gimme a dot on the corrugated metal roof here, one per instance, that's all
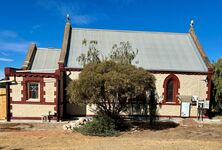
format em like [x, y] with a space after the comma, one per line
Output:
[156, 50]
[46, 60]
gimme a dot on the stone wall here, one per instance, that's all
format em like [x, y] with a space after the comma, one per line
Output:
[16, 89]
[31, 110]
[174, 110]
[189, 85]
[50, 89]
[22, 107]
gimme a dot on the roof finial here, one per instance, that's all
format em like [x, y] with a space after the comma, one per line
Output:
[67, 18]
[191, 23]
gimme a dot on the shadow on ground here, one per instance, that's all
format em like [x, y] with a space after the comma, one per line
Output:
[155, 126]
[11, 127]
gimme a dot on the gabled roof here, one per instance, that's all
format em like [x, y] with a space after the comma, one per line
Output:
[159, 51]
[45, 60]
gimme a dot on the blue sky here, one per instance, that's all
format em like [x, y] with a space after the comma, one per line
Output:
[42, 22]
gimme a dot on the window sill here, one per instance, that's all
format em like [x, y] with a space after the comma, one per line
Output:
[171, 103]
[33, 100]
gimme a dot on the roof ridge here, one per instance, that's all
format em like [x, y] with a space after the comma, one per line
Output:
[131, 31]
[43, 48]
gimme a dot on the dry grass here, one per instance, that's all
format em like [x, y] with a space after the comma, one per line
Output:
[164, 136]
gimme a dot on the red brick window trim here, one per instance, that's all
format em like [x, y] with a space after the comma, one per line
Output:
[26, 89]
[33, 90]
[171, 86]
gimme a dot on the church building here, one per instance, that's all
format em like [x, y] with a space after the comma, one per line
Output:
[177, 60]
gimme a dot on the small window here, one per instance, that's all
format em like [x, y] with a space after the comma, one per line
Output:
[33, 90]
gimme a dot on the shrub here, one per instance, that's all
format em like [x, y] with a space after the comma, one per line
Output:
[111, 87]
[101, 125]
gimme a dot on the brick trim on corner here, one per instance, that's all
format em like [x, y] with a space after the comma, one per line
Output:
[56, 95]
[209, 80]
[8, 98]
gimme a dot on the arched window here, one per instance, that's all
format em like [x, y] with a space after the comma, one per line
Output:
[169, 94]
[171, 86]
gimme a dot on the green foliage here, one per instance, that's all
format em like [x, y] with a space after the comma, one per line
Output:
[122, 53]
[101, 125]
[152, 106]
[92, 55]
[2, 85]
[111, 86]
[217, 86]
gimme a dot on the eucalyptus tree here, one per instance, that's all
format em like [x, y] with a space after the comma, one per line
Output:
[217, 86]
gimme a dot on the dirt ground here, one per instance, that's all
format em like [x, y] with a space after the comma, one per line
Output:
[165, 136]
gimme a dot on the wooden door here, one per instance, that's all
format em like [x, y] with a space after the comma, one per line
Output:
[2, 103]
